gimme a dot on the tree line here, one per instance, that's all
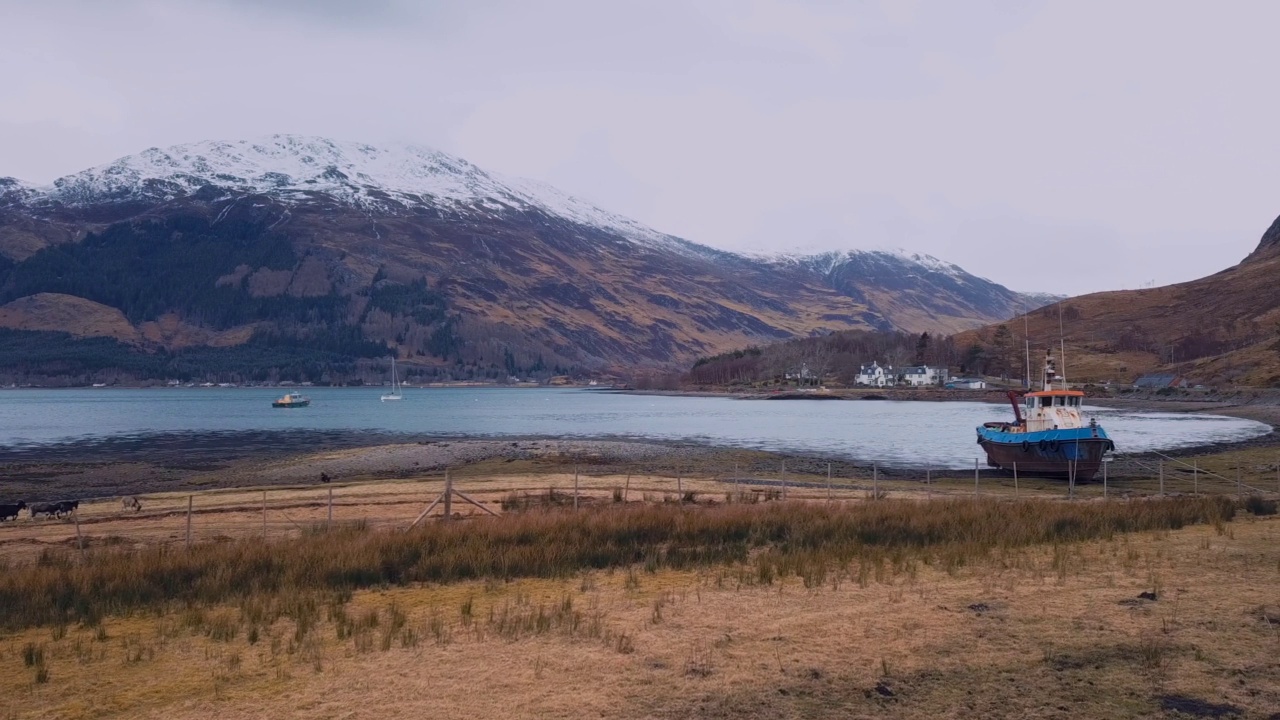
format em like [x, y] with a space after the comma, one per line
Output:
[836, 357]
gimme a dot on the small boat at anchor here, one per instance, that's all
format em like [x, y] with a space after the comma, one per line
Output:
[396, 393]
[1049, 435]
[291, 400]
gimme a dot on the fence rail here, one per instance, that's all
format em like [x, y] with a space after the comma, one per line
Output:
[216, 515]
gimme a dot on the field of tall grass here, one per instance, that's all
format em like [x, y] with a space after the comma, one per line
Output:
[762, 541]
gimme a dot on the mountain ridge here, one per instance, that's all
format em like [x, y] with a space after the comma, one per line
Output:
[433, 258]
[1221, 329]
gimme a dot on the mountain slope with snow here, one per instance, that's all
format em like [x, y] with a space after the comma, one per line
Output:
[390, 179]
[369, 249]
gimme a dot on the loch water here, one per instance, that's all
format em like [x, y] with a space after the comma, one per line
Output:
[891, 433]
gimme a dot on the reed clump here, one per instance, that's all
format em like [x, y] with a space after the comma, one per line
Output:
[295, 577]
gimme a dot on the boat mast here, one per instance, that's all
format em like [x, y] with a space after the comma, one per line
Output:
[1062, 348]
[1026, 340]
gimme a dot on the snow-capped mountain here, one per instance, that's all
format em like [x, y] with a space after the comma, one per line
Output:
[831, 260]
[362, 248]
[392, 179]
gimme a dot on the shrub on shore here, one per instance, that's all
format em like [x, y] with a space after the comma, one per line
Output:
[780, 539]
[1259, 505]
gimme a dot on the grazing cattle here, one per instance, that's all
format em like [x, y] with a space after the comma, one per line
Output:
[130, 502]
[9, 511]
[49, 509]
[324, 477]
[66, 507]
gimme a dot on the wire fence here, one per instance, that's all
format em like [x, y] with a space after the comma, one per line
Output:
[184, 518]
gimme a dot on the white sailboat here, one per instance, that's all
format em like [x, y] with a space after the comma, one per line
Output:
[395, 393]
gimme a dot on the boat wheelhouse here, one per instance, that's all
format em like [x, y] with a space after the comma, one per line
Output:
[291, 400]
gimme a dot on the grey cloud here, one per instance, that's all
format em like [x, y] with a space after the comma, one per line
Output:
[1131, 141]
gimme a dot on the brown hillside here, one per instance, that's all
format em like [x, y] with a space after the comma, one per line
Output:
[333, 255]
[56, 312]
[1221, 329]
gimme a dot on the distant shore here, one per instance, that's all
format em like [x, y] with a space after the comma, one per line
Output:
[1252, 403]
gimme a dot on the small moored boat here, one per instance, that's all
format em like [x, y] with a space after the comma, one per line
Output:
[1049, 435]
[396, 393]
[291, 400]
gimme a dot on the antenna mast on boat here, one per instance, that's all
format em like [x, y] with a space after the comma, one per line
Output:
[1026, 340]
[1062, 348]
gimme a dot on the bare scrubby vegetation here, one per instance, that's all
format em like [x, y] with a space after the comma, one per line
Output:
[835, 357]
[293, 578]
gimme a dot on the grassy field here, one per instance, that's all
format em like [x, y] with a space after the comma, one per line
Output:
[696, 597]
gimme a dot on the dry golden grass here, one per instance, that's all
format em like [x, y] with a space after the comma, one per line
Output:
[766, 541]
[1036, 632]
[380, 503]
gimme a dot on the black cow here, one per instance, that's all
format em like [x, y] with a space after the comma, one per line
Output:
[49, 509]
[66, 507]
[9, 511]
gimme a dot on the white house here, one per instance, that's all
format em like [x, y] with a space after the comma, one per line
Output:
[967, 384]
[920, 375]
[874, 375]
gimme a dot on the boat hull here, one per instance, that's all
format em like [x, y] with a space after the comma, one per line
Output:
[302, 403]
[1055, 453]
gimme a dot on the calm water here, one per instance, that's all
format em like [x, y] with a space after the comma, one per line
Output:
[939, 434]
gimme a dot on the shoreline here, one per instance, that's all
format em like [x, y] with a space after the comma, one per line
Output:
[79, 473]
[168, 462]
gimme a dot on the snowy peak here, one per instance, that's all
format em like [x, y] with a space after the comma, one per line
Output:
[384, 179]
[279, 164]
[13, 190]
[829, 262]
[889, 260]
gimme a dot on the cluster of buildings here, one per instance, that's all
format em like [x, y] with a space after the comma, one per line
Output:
[877, 375]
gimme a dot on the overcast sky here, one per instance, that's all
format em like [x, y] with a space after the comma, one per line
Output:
[1051, 146]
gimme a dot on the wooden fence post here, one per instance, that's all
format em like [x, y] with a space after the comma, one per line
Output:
[189, 500]
[875, 481]
[828, 483]
[784, 479]
[1195, 477]
[1160, 466]
[975, 477]
[75, 515]
[329, 522]
[264, 514]
[448, 496]
[1015, 479]
[575, 486]
[626, 490]
[928, 483]
[679, 482]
